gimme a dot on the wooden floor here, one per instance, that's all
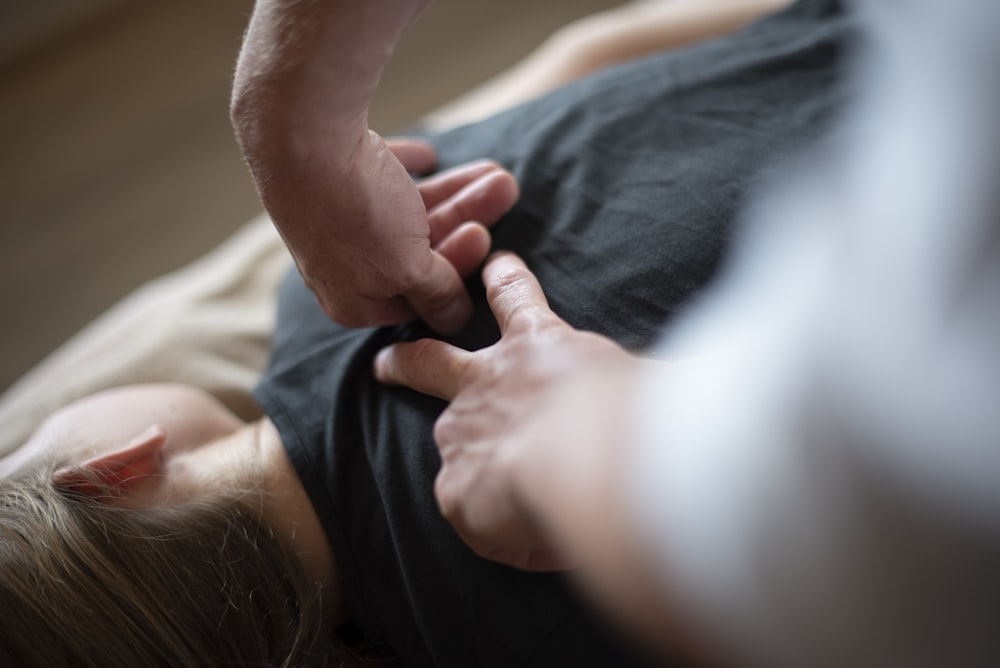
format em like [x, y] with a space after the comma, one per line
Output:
[117, 161]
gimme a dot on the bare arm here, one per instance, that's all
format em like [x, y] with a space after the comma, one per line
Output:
[597, 41]
[372, 249]
[309, 67]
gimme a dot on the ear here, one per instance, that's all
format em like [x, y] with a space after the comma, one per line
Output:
[116, 472]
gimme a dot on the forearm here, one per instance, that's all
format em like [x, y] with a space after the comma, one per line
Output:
[600, 40]
[374, 246]
[305, 76]
[308, 70]
[640, 28]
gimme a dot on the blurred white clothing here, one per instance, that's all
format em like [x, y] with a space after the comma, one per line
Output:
[820, 475]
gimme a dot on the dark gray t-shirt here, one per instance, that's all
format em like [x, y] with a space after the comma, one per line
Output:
[631, 181]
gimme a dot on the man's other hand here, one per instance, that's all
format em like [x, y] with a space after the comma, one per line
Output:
[530, 417]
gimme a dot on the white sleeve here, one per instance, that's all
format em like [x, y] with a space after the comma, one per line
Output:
[819, 476]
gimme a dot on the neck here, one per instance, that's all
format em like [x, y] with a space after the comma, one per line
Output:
[257, 447]
[293, 517]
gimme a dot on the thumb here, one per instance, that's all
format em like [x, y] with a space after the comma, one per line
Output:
[428, 366]
[440, 298]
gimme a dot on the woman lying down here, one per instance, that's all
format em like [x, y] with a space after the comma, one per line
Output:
[149, 526]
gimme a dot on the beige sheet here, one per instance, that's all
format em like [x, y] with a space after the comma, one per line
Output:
[207, 325]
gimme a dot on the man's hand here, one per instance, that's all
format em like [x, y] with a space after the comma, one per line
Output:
[544, 400]
[375, 248]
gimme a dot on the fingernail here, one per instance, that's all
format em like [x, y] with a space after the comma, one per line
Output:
[381, 362]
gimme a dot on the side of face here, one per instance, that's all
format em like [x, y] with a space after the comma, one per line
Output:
[107, 428]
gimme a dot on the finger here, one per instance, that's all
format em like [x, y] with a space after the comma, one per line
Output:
[528, 560]
[363, 311]
[485, 199]
[512, 290]
[428, 366]
[416, 156]
[439, 297]
[439, 187]
[466, 247]
[522, 558]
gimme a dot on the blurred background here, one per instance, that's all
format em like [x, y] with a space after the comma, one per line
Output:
[117, 161]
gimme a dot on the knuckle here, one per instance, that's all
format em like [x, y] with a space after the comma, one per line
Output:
[433, 289]
[444, 429]
[421, 353]
[401, 360]
[511, 289]
[439, 296]
[348, 318]
[447, 499]
[506, 281]
[490, 163]
[534, 322]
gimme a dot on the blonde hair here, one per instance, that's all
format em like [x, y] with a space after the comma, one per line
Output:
[88, 583]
